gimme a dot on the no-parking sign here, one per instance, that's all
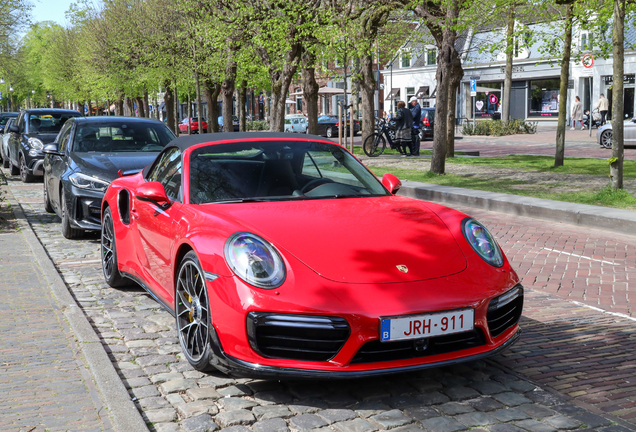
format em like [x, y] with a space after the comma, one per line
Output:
[588, 61]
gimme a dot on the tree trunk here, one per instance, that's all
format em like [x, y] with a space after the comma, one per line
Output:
[168, 99]
[90, 108]
[457, 73]
[618, 52]
[510, 52]
[119, 106]
[146, 105]
[227, 89]
[129, 107]
[367, 90]
[140, 106]
[242, 92]
[563, 91]
[199, 104]
[310, 90]
[212, 91]
[176, 110]
[189, 115]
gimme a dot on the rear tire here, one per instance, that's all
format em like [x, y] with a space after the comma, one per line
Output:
[606, 139]
[68, 231]
[109, 253]
[374, 145]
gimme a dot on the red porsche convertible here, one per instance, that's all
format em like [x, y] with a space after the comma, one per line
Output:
[285, 256]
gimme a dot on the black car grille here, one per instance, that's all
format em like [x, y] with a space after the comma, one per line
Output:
[505, 311]
[296, 337]
[376, 351]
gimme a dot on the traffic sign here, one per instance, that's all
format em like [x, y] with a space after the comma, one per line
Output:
[473, 87]
[475, 77]
[588, 61]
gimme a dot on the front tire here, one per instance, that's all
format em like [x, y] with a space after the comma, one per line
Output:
[606, 139]
[24, 172]
[374, 145]
[109, 253]
[193, 317]
[47, 201]
[14, 169]
[67, 230]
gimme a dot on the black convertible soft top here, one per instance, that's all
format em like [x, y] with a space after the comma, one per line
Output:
[187, 141]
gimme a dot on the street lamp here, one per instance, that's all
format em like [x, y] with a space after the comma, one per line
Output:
[32, 96]
[6, 93]
[10, 97]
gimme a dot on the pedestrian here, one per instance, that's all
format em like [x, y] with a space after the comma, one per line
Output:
[416, 112]
[577, 113]
[403, 125]
[603, 106]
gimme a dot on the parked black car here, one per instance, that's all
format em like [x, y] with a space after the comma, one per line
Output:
[87, 155]
[29, 133]
[4, 144]
[4, 118]
[428, 121]
[328, 126]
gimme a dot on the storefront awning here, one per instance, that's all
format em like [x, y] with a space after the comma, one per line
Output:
[432, 96]
[322, 91]
[395, 94]
[422, 92]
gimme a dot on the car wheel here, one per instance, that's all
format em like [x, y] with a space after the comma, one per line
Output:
[193, 313]
[47, 201]
[24, 172]
[68, 231]
[5, 162]
[606, 139]
[14, 170]
[329, 133]
[109, 253]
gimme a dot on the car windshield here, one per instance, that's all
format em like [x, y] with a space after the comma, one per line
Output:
[5, 119]
[121, 136]
[274, 171]
[46, 123]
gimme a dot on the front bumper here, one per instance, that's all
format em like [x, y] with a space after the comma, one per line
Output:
[85, 208]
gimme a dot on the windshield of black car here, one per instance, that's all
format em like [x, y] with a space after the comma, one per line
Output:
[121, 136]
[275, 170]
[48, 123]
[5, 119]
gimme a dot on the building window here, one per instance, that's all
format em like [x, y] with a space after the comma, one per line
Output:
[299, 104]
[587, 43]
[488, 99]
[431, 57]
[410, 92]
[406, 59]
[544, 98]
[426, 104]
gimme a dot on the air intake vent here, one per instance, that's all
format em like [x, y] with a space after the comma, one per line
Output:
[505, 311]
[296, 337]
[376, 351]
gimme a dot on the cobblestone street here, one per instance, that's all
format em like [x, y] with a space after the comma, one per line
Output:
[573, 368]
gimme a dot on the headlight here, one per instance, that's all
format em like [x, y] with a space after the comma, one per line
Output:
[254, 260]
[482, 242]
[86, 182]
[35, 143]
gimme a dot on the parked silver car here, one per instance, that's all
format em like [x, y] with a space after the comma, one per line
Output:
[604, 134]
[4, 145]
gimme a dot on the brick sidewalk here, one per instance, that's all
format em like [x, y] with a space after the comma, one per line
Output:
[44, 383]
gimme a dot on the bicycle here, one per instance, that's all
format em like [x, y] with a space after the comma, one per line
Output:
[374, 144]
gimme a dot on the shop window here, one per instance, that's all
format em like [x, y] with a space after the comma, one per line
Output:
[406, 59]
[488, 99]
[544, 98]
[431, 57]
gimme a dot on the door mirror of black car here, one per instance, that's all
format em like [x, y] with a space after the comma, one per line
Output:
[14, 129]
[51, 149]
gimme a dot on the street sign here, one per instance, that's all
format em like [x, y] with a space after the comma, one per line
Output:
[570, 83]
[473, 87]
[0, 95]
[475, 77]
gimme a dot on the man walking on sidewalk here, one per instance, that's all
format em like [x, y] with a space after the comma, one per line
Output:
[603, 106]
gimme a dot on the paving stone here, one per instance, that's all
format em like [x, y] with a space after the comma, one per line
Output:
[459, 393]
[234, 403]
[160, 415]
[488, 387]
[509, 414]
[442, 424]
[545, 398]
[153, 403]
[391, 419]
[505, 428]
[369, 408]
[592, 420]
[562, 422]
[336, 415]
[511, 399]
[233, 418]
[137, 382]
[420, 413]
[569, 409]
[485, 404]
[167, 427]
[215, 381]
[306, 422]
[408, 428]
[235, 390]
[340, 399]
[308, 406]
[402, 401]
[520, 386]
[434, 398]
[536, 411]
[193, 409]
[476, 418]
[177, 385]
[203, 393]
[237, 429]
[272, 397]
[175, 399]
[202, 423]
[453, 408]
[616, 428]
[534, 426]
[271, 425]
[271, 411]
[158, 369]
[144, 392]
[356, 425]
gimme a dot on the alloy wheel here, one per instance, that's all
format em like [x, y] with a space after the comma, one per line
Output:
[192, 311]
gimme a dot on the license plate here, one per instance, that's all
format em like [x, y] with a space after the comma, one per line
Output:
[428, 325]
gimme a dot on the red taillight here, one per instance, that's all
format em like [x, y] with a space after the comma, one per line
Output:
[425, 122]
[338, 124]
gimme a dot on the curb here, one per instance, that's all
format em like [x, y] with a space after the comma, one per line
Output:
[123, 412]
[617, 220]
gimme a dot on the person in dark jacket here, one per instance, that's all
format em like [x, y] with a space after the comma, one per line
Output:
[416, 112]
[404, 125]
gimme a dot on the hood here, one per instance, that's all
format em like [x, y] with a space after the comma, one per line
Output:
[46, 138]
[355, 240]
[106, 165]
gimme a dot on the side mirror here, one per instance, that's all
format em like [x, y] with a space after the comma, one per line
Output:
[152, 192]
[51, 149]
[391, 182]
[14, 129]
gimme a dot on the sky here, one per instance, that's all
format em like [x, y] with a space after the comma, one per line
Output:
[50, 10]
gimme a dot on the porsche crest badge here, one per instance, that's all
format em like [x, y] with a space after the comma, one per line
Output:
[402, 268]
